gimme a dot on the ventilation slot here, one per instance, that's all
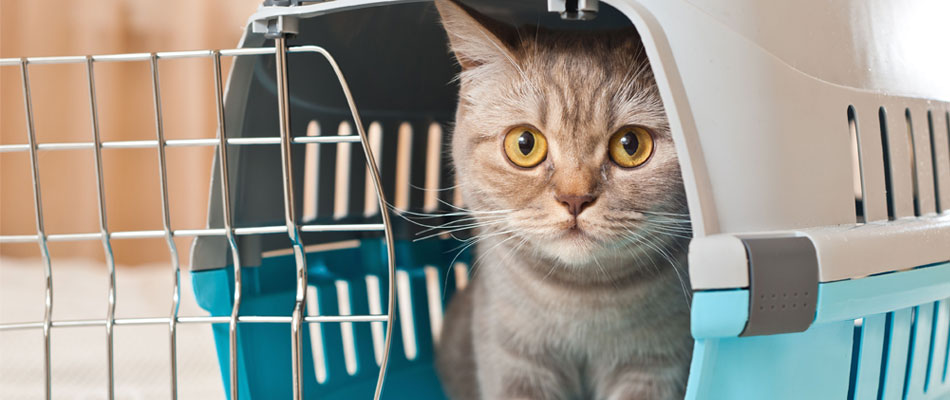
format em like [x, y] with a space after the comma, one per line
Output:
[371, 200]
[461, 275]
[945, 173]
[935, 160]
[434, 295]
[406, 317]
[885, 354]
[911, 347]
[346, 328]
[912, 156]
[432, 168]
[341, 194]
[945, 312]
[403, 163]
[857, 169]
[886, 151]
[316, 336]
[375, 298]
[934, 336]
[940, 153]
[855, 357]
[311, 163]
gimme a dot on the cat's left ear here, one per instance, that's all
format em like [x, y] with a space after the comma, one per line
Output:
[475, 39]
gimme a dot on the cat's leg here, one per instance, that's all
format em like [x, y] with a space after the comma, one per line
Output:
[660, 381]
[455, 361]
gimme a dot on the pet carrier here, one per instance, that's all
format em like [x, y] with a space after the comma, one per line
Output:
[813, 140]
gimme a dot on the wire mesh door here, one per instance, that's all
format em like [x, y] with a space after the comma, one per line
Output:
[292, 226]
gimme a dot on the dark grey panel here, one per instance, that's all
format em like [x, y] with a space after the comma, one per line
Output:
[783, 278]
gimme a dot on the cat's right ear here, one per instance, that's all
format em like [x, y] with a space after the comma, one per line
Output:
[475, 39]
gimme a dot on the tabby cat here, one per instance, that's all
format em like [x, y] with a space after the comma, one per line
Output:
[566, 166]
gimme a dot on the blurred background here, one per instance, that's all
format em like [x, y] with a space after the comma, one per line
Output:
[61, 109]
[126, 112]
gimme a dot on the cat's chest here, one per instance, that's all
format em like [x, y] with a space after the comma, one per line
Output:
[572, 318]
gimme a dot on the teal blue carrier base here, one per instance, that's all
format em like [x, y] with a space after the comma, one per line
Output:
[880, 337]
[264, 355]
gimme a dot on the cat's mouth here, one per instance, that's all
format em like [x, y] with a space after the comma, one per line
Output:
[573, 230]
[574, 243]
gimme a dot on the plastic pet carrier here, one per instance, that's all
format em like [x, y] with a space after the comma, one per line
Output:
[813, 141]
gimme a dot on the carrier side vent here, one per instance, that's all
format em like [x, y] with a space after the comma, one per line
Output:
[783, 284]
[888, 181]
[939, 129]
[857, 168]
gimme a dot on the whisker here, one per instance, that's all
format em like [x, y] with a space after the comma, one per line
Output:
[461, 222]
[604, 271]
[664, 213]
[456, 229]
[448, 214]
[474, 270]
[660, 231]
[436, 189]
[669, 258]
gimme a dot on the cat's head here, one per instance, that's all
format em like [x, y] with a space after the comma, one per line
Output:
[561, 139]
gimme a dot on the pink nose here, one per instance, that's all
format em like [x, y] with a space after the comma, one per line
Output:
[575, 203]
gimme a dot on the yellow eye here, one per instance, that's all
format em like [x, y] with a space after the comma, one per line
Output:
[525, 146]
[631, 146]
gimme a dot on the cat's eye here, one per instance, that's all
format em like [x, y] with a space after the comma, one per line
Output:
[631, 146]
[525, 146]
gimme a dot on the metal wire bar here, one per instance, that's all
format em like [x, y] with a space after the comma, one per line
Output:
[228, 227]
[156, 234]
[103, 227]
[221, 141]
[146, 56]
[244, 319]
[290, 216]
[40, 228]
[147, 144]
[169, 238]
[374, 171]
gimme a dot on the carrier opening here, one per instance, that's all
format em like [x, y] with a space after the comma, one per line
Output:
[396, 60]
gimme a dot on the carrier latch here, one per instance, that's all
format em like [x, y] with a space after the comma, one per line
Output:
[281, 25]
[783, 284]
[578, 10]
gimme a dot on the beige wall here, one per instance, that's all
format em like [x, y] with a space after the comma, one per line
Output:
[61, 108]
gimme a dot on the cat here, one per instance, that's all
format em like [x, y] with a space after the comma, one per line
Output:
[565, 161]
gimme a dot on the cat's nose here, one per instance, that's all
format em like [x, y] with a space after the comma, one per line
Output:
[575, 203]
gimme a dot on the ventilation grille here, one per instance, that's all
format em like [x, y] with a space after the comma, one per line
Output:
[901, 162]
[902, 354]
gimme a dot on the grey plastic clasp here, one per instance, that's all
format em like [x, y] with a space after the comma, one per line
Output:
[578, 10]
[279, 26]
[783, 284]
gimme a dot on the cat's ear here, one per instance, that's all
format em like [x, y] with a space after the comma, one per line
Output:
[475, 39]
